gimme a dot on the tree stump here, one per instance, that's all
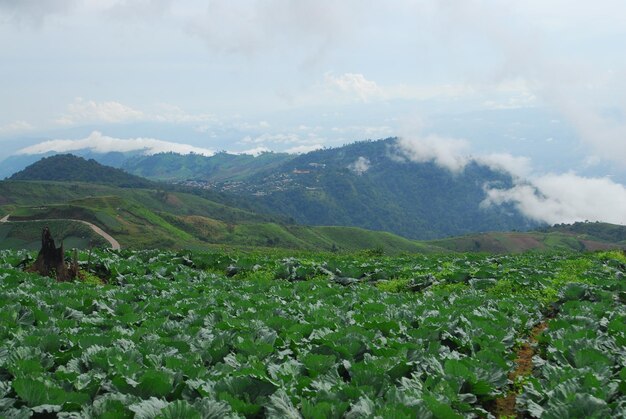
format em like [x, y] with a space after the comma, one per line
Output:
[51, 261]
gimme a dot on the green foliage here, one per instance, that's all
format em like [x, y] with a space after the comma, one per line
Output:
[197, 334]
[394, 285]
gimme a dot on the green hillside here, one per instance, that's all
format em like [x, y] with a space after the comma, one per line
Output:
[603, 231]
[67, 167]
[515, 242]
[152, 218]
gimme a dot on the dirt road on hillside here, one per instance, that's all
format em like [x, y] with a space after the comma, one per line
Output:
[115, 245]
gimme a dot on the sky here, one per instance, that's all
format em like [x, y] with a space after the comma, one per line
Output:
[534, 88]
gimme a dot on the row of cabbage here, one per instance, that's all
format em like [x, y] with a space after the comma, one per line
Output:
[217, 335]
[581, 364]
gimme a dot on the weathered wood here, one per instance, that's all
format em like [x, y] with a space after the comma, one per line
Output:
[51, 261]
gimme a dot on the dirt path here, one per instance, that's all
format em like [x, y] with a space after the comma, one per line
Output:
[505, 406]
[115, 245]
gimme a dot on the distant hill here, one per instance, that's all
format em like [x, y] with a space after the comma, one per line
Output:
[67, 167]
[367, 184]
[611, 233]
[217, 168]
[515, 242]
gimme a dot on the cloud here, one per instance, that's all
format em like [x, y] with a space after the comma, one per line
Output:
[254, 151]
[280, 138]
[354, 84]
[565, 198]
[100, 143]
[302, 149]
[520, 167]
[449, 153]
[606, 134]
[552, 198]
[89, 111]
[15, 127]
[308, 28]
[564, 56]
[277, 141]
[33, 12]
[138, 9]
[360, 165]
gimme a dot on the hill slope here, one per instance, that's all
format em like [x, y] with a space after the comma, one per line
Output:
[155, 218]
[67, 167]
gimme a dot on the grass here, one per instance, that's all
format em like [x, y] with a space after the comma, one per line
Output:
[28, 235]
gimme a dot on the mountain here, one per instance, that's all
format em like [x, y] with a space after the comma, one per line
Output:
[67, 167]
[369, 184]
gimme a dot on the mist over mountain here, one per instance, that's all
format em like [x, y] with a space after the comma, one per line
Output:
[370, 184]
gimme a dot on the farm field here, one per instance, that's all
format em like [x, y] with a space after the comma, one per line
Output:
[190, 334]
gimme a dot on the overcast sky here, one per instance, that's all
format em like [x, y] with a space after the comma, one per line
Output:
[539, 86]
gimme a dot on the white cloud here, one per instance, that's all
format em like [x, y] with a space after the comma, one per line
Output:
[254, 151]
[565, 56]
[89, 111]
[606, 135]
[449, 153]
[354, 84]
[307, 28]
[553, 198]
[565, 198]
[360, 165]
[103, 144]
[288, 138]
[302, 149]
[520, 167]
[15, 127]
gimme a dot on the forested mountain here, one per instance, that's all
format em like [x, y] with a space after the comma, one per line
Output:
[369, 185]
[366, 184]
[67, 167]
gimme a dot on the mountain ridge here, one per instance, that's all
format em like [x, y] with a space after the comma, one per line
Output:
[366, 184]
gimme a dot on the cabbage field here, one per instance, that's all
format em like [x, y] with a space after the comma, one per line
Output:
[156, 334]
